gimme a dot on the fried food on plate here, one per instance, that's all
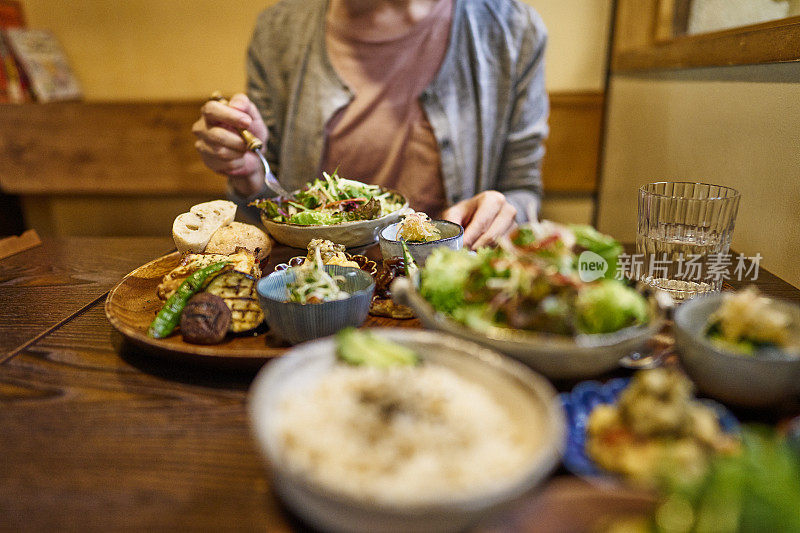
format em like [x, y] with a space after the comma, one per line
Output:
[656, 430]
[242, 261]
[331, 254]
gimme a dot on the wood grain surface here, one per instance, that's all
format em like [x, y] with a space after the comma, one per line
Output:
[647, 37]
[96, 440]
[45, 285]
[103, 148]
[100, 440]
[100, 436]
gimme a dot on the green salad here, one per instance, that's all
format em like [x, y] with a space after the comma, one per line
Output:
[331, 200]
[757, 489]
[532, 281]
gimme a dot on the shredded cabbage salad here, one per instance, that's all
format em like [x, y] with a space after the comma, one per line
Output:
[332, 200]
[312, 284]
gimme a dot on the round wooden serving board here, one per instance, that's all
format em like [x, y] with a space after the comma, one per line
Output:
[133, 303]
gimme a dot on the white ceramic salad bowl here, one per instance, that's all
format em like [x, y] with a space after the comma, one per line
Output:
[350, 234]
[321, 200]
[555, 356]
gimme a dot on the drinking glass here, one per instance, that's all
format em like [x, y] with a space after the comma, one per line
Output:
[683, 237]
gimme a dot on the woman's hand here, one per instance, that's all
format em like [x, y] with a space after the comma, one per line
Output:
[485, 217]
[221, 147]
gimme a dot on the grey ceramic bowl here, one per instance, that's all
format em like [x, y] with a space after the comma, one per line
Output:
[295, 322]
[452, 237]
[555, 356]
[727, 376]
[530, 398]
[350, 234]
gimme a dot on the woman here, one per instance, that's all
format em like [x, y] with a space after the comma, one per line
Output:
[443, 100]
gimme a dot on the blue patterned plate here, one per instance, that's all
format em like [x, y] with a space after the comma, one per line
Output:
[579, 404]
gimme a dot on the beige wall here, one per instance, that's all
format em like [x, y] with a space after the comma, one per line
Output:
[185, 49]
[136, 50]
[578, 42]
[151, 49]
[728, 126]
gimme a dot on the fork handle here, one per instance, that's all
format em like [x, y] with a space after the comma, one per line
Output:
[253, 143]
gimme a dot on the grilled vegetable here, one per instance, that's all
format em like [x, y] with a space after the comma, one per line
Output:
[169, 316]
[238, 290]
[205, 319]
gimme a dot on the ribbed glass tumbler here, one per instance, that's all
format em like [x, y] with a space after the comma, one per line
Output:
[683, 237]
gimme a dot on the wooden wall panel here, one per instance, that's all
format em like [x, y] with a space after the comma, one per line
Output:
[102, 148]
[147, 148]
[570, 165]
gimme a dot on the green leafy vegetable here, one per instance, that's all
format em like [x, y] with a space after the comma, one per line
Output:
[755, 490]
[358, 347]
[443, 278]
[331, 200]
[532, 281]
[603, 245]
[608, 306]
[310, 218]
[368, 211]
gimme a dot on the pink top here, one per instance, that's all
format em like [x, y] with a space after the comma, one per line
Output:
[383, 135]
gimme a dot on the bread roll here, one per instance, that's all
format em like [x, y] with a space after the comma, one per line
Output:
[227, 238]
[191, 231]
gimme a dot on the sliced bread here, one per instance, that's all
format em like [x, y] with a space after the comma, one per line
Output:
[235, 235]
[191, 231]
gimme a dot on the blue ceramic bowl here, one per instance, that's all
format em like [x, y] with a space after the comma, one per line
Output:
[295, 322]
[580, 403]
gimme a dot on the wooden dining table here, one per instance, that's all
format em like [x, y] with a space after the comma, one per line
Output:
[97, 435]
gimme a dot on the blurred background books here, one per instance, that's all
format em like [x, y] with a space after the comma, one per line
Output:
[33, 66]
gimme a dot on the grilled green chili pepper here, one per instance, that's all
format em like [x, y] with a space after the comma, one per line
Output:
[167, 319]
[411, 268]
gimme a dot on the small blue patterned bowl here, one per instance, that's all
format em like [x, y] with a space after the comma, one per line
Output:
[580, 403]
[295, 322]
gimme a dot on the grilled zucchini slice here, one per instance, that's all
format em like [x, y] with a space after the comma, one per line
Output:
[238, 291]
